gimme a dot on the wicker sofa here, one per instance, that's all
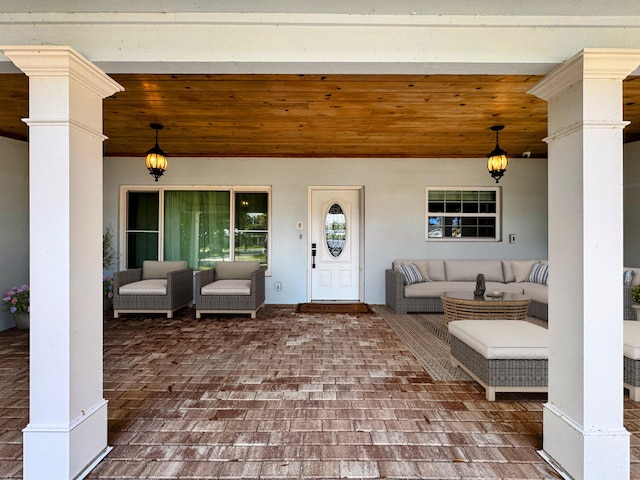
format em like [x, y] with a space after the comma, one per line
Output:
[460, 275]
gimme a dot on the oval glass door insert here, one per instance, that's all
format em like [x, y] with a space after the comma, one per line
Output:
[335, 230]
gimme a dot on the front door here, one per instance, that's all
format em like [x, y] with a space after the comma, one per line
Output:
[335, 243]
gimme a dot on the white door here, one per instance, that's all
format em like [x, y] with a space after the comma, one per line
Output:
[335, 243]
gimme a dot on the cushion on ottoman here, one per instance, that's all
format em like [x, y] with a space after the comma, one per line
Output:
[501, 355]
[631, 344]
[631, 358]
[503, 338]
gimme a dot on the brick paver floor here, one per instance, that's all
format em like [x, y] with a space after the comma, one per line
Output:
[287, 396]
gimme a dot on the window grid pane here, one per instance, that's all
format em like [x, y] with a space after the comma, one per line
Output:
[251, 229]
[463, 214]
[142, 228]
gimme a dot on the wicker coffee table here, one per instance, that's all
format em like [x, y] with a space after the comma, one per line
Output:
[466, 306]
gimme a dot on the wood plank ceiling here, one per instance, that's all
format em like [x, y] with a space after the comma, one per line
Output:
[319, 115]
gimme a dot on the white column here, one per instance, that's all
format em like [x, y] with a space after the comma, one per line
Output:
[67, 430]
[584, 433]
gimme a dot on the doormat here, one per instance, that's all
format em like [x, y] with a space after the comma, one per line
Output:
[333, 308]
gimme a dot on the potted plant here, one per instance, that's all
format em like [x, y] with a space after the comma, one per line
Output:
[635, 296]
[107, 261]
[16, 301]
[108, 252]
[107, 292]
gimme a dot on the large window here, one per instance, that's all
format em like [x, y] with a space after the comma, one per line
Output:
[142, 227]
[197, 225]
[463, 214]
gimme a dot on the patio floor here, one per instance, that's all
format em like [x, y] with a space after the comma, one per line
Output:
[287, 395]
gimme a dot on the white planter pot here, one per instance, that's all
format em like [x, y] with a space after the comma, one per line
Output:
[636, 309]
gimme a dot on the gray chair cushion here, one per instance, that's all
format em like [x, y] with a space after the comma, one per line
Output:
[152, 286]
[235, 270]
[157, 269]
[227, 287]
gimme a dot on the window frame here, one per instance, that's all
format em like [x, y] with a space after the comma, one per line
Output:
[232, 189]
[497, 215]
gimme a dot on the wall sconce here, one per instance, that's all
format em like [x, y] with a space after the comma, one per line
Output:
[497, 162]
[156, 159]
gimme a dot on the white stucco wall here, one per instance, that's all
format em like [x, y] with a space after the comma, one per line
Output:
[394, 191]
[394, 208]
[632, 204]
[14, 219]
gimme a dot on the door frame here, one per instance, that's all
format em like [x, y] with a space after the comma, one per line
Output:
[360, 190]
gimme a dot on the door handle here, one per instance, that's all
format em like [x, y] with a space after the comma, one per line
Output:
[313, 255]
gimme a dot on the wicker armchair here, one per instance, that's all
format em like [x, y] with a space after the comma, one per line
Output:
[157, 287]
[230, 287]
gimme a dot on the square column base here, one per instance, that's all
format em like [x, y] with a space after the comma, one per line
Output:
[66, 451]
[582, 453]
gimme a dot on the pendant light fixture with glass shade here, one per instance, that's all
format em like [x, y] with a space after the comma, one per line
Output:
[156, 160]
[497, 162]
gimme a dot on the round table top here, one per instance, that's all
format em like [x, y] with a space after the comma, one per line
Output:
[488, 296]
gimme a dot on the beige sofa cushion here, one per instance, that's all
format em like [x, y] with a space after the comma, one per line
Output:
[436, 271]
[158, 269]
[423, 266]
[436, 289]
[152, 286]
[468, 270]
[535, 291]
[522, 269]
[235, 270]
[507, 271]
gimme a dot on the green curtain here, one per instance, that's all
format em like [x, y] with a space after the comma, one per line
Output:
[196, 227]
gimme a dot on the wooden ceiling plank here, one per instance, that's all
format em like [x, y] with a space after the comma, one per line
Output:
[318, 115]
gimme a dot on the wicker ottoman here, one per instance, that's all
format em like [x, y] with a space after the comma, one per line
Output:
[501, 355]
[631, 352]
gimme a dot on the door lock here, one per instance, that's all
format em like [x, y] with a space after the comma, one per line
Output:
[313, 255]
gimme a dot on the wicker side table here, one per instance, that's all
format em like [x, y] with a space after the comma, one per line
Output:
[465, 306]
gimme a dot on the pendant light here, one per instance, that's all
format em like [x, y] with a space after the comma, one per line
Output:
[497, 162]
[156, 160]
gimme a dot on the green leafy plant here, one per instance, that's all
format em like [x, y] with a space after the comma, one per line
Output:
[16, 300]
[635, 294]
[108, 253]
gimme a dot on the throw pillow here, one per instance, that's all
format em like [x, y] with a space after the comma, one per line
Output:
[522, 269]
[539, 274]
[411, 273]
[628, 277]
[423, 266]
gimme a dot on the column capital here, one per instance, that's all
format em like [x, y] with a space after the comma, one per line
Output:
[589, 64]
[54, 60]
